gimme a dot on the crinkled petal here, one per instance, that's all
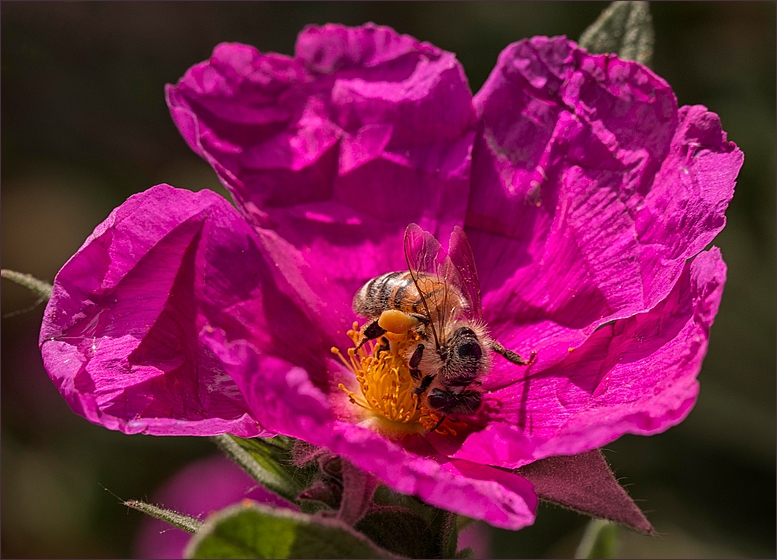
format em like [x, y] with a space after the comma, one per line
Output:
[338, 148]
[283, 399]
[121, 334]
[636, 375]
[590, 190]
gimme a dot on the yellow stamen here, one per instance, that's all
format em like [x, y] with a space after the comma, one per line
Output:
[386, 386]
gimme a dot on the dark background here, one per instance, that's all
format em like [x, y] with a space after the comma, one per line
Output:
[84, 125]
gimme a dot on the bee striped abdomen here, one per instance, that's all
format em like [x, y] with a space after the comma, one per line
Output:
[401, 290]
[397, 290]
[384, 292]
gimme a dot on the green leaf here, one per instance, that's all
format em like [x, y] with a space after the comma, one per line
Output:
[599, 541]
[269, 462]
[625, 28]
[250, 530]
[38, 287]
[188, 524]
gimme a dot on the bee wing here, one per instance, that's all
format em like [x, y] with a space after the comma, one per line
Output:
[425, 255]
[456, 269]
[463, 260]
[423, 252]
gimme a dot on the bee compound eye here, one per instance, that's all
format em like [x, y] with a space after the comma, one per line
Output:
[470, 350]
[438, 398]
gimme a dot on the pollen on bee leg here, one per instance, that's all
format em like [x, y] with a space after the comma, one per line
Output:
[397, 322]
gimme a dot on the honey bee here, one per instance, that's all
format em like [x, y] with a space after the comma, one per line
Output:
[436, 305]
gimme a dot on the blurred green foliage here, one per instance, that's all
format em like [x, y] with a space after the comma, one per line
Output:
[84, 125]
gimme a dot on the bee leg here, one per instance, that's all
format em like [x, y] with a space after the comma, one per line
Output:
[372, 331]
[420, 318]
[437, 425]
[511, 356]
[384, 346]
[415, 359]
[425, 382]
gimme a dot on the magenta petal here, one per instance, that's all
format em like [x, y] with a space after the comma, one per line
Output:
[586, 484]
[121, 334]
[590, 190]
[501, 498]
[637, 375]
[338, 148]
[284, 400]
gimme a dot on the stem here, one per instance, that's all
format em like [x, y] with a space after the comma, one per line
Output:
[38, 287]
[599, 540]
[188, 524]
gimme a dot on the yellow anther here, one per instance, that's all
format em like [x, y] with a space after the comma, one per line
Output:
[386, 386]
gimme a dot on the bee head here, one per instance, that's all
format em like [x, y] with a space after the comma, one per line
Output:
[447, 402]
[462, 357]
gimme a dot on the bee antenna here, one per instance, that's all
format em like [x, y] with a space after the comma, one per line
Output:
[444, 310]
[423, 299]
[437, 425]
[511, 356]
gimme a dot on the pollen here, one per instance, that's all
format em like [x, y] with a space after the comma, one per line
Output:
[384, 379]
[386, 388]
[398, 322]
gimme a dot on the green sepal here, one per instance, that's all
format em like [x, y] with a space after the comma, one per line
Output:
[448, 533]
[269, 462]
[250, 530]
[319, 497]
[625, 28]
[358, 490]
[600, 540]
[188, 524]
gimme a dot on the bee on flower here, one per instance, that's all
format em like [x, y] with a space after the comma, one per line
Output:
[434, 308]
[585, 195]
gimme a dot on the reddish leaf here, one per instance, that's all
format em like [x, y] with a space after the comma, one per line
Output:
[585, 483]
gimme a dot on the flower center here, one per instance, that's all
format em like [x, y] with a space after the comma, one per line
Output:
[386, 386]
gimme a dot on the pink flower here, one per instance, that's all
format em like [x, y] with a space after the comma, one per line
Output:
[587, 195]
